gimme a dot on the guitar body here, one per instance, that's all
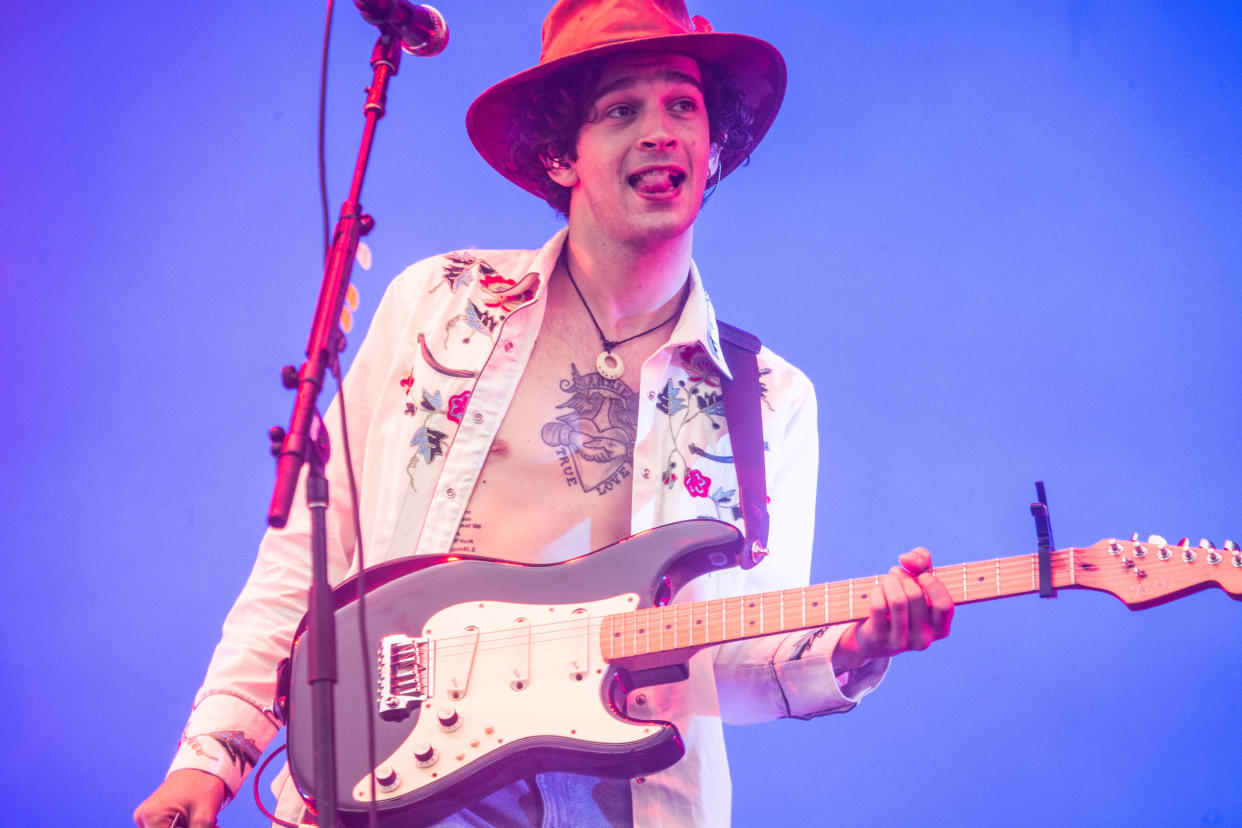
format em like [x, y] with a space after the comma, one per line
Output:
[480, 672]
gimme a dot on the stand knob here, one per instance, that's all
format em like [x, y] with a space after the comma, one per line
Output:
[276, 435]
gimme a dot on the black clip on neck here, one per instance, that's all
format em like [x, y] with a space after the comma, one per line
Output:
[1043, 529]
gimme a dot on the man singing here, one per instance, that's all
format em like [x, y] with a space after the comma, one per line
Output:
[533, 405]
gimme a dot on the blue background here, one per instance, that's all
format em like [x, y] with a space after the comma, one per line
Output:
[1002, 238]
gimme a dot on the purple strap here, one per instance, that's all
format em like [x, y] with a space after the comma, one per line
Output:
[745, 416]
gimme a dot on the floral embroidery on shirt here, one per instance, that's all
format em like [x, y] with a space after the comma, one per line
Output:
[684, 401]
[700, 368]
[457, 406]
[407, 382]
[726, 503]
[500, 295]
[427, 442]
[437, 366]
[457, 271]
[242, 751]
[697, 483]
[479, 321]
[507, 294]
[763, 393]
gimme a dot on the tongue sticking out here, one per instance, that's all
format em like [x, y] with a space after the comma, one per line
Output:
[656, 181]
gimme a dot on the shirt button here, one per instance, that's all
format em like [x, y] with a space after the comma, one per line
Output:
[450, 492]
[508, 346]
[646, 474]
[651, 395]
[478, 418]
[640, 779]
[640, 699]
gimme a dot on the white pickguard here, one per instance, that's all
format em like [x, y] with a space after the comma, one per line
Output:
[510, 671]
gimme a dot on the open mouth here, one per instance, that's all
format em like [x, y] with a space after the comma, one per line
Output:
[657, 180]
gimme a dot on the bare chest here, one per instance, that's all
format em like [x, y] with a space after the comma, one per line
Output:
[558, 479]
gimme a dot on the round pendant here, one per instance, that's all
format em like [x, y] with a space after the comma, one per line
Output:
[609, 365]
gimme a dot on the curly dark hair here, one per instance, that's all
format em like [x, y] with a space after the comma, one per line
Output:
[554, 109]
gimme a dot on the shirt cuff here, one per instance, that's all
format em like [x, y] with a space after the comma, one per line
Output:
[803, 666]
[225, 737]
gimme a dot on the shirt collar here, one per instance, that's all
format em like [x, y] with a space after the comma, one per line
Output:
[697, 325]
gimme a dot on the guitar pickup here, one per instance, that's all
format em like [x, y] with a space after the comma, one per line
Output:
[405, 678]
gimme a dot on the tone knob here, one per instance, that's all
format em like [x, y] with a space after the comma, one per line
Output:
[424, 754]
[449, 720]
[386, 779]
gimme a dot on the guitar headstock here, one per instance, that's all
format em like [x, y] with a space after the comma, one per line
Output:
[1151, 572]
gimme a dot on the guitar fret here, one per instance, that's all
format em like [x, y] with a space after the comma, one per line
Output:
[703, 626]
[691, 625]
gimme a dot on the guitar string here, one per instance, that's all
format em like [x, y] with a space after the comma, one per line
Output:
[766, 603]
[1014, 573]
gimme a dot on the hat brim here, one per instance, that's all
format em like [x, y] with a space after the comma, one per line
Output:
[754, 65]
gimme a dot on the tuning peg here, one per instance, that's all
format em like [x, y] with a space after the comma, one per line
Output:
[1134, 537]
[1229, 546]
[1204, 543]
[1156, 540]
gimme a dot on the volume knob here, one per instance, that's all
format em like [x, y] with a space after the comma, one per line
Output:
[424, 754]
[386, 779]
[449, 720]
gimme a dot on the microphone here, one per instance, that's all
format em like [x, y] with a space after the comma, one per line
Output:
[422, 29]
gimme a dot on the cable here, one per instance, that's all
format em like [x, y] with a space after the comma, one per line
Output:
[363, 646]
[323, 99]
[258, 801]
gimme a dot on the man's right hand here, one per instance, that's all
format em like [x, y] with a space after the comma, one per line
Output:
[195, 795]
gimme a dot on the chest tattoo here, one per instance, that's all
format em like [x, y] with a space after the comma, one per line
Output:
[464, 540]
[594, 437]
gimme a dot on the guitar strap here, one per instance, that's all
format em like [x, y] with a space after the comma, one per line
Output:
[743, 410]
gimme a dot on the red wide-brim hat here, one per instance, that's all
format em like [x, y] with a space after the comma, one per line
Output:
[580, 30]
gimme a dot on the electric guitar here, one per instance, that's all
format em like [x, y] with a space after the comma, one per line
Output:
[488, 671]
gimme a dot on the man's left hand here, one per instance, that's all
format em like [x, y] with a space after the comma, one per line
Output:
[910, 609]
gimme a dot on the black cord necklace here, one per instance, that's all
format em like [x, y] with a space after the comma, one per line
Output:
[608, 364]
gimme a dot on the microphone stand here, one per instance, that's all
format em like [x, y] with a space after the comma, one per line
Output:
[307, 440]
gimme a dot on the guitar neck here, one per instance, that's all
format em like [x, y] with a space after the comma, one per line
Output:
[691, 626]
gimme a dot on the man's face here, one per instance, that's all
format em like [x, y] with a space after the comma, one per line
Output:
[643, 154]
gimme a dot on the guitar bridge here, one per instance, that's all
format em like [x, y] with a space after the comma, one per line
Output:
[405, 679]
